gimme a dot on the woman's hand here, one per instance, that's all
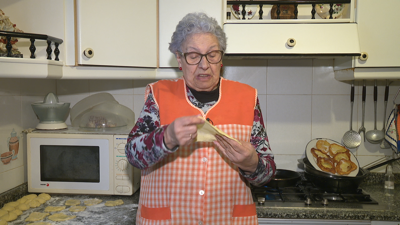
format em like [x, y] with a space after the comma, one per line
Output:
[183, 131]
[241, 154]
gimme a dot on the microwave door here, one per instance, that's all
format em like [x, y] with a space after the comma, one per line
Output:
[73, 165]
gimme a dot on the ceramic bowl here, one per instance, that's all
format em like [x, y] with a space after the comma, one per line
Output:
[6, 157]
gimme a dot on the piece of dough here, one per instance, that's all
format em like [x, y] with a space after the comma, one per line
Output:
[31, 196]
[34, 203]
[60, 217]
[54, 208]
[22, 200]
[73, 202]
[39, 223]
[13, 204]
[206, 132]
[114, 203]
[9, 217]
[17, 212]
[94, 201]
[23, 207]
[3, 222]
[8, 208]
[3, 212]
[77, 208]
[36, 216]
[45, 196]
[40, 200]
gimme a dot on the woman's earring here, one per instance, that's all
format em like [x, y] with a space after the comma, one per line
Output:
[222, 65]
[180, 68]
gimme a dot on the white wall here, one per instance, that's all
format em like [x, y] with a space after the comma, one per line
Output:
[300, 101]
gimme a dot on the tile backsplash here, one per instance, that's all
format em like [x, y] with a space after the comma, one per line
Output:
[300, 100]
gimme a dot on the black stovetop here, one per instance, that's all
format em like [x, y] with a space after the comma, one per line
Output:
[308, 194]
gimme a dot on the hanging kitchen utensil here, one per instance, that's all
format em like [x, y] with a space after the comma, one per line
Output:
[391, 133]
[362, 128]
[384, 143]
[375, 136]
[351, 139]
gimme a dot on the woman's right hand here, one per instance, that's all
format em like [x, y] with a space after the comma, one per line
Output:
[182, 131]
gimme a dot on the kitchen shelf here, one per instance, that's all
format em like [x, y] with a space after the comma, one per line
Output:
[14, 66]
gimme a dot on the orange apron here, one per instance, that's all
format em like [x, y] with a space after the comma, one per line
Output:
[197, 184]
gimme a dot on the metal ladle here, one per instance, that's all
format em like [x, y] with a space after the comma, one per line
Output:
[384, 143]
[375, 136]
[351, 138]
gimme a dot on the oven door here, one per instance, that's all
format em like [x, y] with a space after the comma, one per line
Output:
[70, 163]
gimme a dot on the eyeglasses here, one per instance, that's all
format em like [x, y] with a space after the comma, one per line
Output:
[194, 58]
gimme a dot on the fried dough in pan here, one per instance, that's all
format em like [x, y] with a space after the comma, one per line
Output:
[326, 164]
[335, 149]
[344, 167]
[342, 155]
[319, 153]
[323, 145]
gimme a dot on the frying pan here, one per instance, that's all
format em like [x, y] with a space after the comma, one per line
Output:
[336, 183]
[284, 178]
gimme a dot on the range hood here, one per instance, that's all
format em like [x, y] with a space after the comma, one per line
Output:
[307, 36]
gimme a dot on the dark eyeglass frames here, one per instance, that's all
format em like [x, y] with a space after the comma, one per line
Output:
[194, 58]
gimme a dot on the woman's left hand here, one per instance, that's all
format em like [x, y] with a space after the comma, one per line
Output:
[241, 154]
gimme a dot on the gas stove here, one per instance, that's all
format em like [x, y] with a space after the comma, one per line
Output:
[306, 194]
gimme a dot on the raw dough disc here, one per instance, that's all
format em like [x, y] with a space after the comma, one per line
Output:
[39, 223]
[77, 208]
[3, 222]
[13, 204]
[45, 196]
[35, 216]
[41, 200]
[31, 196]
[34, 203]
[73, 202]
[22, 200]
[17, 212]
[206, 132]
[60, 217]
[9, 217]
[114, 203]
[3, 212]
[92, 202]
[54, 208]
[8, 208]
[23, 207]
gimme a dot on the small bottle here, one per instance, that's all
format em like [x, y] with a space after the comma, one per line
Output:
[389, 180]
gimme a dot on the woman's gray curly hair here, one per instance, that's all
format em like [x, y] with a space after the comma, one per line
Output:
[194, 23]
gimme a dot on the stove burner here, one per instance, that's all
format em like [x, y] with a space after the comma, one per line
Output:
[306, 192]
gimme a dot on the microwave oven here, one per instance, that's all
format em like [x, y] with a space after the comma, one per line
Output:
[74, 162]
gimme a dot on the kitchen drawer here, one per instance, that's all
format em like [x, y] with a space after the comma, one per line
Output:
[271, 39]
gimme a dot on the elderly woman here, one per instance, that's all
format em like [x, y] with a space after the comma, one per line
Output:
[189, 182]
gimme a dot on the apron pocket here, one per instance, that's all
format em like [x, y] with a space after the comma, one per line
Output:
[244, 210]
[163, 213]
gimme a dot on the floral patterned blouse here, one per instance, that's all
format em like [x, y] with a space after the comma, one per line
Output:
[145, 146]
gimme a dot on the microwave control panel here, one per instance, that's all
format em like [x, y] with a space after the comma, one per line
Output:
[126, 177]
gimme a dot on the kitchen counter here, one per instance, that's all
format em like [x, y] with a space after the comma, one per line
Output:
[386, 210]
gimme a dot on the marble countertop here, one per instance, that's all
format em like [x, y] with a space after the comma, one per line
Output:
[388, 208]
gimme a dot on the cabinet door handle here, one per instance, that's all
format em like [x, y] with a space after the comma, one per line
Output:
[291, 42]
[88, 52]
[364, 56]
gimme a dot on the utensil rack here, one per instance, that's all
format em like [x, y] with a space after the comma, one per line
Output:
[33, 37]
[280, 4]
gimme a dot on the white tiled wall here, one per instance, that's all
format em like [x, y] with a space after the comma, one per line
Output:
[300, 101]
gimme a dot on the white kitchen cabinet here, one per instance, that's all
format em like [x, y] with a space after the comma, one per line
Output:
[116, 33]
[171, 12]
[379, 32]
